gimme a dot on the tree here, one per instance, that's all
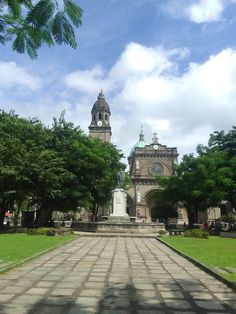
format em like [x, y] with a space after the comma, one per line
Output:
[20, 144]
[93, 162]
[226, 143]
[164, 207]
[207, 180]
[57, 168]
[30, 24]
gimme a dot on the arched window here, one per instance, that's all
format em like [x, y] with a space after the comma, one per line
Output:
[100, 116]
[106, 117]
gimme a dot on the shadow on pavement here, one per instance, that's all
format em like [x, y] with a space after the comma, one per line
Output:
[173, 297]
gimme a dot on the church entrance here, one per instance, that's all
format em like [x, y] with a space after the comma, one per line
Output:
[150, 201]
[131, 211]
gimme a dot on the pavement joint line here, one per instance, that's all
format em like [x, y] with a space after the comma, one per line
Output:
[200, 265]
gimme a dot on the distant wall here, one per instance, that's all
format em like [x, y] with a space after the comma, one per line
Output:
[105, 227]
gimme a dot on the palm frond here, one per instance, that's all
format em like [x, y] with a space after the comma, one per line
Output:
[19, 43]
[14, 7]
[31, 48]
[2, 40]
[63, 32]
[41, 13]
[74, 12]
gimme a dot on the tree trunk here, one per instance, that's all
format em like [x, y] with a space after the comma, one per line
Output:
[191, 217]
[43, 216]
[95, 212]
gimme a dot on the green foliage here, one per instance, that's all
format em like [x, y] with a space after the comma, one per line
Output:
[31, 24]
[50, 231]
[39, 231]
[164, 207]
[225, 218]
[206, 180]
[196, 233]
[57, 168]
[161, 233]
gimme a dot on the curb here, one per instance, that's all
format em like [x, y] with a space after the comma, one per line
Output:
[115, 235]
[200, 265]
[15, 265]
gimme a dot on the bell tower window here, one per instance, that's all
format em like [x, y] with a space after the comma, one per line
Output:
[100, 116]
[106, 117]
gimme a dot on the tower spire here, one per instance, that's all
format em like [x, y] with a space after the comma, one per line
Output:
[141, 135]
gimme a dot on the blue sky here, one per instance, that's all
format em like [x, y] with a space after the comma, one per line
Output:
[168, 65]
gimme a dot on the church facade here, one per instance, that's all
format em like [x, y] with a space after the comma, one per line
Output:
[146, 162]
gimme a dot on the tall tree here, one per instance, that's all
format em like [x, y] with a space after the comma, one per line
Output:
[226, 143]
[206, 180]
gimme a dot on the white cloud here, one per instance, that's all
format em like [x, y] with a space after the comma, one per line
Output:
[88, 81]
[144, 88]
[138, 60]
[12, 75]
[205, 11]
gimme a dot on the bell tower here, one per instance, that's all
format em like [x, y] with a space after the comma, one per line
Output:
[100, 123]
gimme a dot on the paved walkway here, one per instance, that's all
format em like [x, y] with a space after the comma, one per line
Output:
[112, 276]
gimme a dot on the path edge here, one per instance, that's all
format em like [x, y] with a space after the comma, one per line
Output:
[10, 267]
[200, 265]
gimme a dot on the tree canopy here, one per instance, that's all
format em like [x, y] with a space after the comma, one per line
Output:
[56, 168]
[29, 24]
[205, 180]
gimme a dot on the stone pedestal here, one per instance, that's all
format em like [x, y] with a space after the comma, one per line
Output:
[119, 214]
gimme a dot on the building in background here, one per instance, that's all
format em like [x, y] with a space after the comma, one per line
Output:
[100, 122]
[146, 162]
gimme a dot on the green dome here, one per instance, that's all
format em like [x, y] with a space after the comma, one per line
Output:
[140, 144]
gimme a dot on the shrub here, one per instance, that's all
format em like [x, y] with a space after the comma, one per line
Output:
[161, 233]
[196, 233]
[229, 219]
[39, 231]
[50, 231]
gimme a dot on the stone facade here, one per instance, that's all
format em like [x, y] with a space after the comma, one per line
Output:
[146, 161]
[100, 123]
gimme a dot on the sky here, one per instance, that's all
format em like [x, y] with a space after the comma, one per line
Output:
[166, 65]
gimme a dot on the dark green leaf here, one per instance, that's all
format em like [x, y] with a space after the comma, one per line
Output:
[74, 12]
[14, 7]
[41, 13]
[2, 40]
[2, 25]
[31, 48]
[19, 42]
[62, 31]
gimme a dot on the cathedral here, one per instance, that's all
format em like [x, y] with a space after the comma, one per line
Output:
[146, 161]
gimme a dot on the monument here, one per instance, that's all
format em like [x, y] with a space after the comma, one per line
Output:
[119, 198]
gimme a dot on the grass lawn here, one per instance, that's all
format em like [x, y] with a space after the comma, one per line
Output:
[215, 252]
[17, 247]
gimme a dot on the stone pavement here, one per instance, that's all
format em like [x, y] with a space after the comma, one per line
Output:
[112, 276]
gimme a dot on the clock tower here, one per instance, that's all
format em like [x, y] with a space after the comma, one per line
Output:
[100, 123]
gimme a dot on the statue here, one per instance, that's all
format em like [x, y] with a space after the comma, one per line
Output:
[120, 179]
[137, 165]
[138, 197]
